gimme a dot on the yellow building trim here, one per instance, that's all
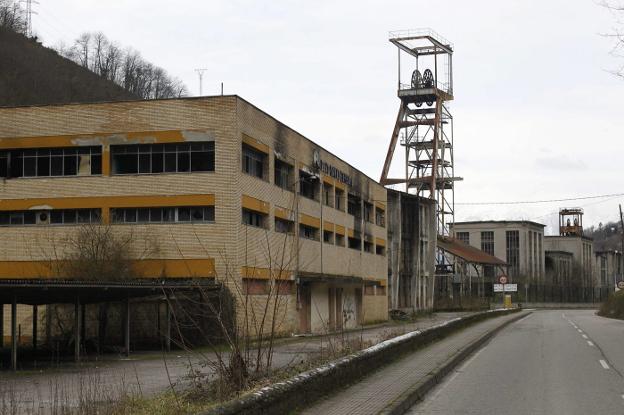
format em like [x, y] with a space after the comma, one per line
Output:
[381, 206]
[106, 161]
[258, 145]
[340, 185]
[145, 268]
[329, 180]
[380, 242]
[340, 230]
[282, 213]
[350, 232]
[256, 205]
[309, 220]
[328, 226]
[257, 273]
[102, 138]
[106, 202]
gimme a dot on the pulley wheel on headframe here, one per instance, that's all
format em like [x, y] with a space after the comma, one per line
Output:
[428, 82]
[417, 82]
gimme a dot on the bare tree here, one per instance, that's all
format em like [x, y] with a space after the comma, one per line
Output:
[12, 16]
[125, 67]
[617, 33]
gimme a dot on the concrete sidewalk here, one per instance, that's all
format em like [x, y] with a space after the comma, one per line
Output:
[384, 389]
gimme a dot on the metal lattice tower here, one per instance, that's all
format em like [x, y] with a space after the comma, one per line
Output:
[424, 122]
[29, 13]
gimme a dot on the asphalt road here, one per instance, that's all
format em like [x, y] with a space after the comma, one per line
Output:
[551, 362]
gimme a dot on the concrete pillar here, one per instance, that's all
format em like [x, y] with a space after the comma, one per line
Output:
[14, 333]
[34, 328]
[77, 330]
[127, 326]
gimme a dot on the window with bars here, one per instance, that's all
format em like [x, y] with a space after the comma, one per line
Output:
[308, 185]
[163, 158]
[380, 217]
[255, 163]
[284, 226]
[487, 246]
[308, 232]
[464, 237]
[339, 205]
[328, 195]
[354, 205]
[51, 162]
[368, 212]
[512, 239]
[182, 214]
[328, 237]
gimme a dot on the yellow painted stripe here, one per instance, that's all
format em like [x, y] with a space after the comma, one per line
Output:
[380, 205]
[328, 226]
[145, 268]
[254, 204]
[258, 145]
[350, 232]
[340, 230]
[282, 213]
[328, 180]
[340, 185]
[264, 273]
[380, 241]
[309, 220]
[136, 137]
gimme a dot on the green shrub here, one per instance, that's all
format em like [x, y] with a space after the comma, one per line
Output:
[614, 306]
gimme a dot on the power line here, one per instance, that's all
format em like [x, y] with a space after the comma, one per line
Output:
[527, 202]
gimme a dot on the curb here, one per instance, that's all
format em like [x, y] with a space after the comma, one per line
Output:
[415, 394]
[307, 387]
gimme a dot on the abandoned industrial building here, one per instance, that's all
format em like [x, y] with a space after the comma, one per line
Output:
[223, 192]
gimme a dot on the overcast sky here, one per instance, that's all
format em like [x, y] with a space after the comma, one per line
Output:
[537, 113]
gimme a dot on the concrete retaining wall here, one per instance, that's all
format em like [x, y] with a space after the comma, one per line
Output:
[307, 387]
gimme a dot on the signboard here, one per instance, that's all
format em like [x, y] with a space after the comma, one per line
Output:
[502, 279]
[499, 288]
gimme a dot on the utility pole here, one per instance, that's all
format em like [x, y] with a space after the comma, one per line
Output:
[29, 13]
[200, 72]
[622, 250]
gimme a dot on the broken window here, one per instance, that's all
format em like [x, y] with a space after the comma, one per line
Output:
[46, 162]
[254, 162]
[380, 250]
[284, 175]
[339, 199]
[283, 225]
[167, 158]
[355, 242]
[354, 205]
[328, 237]
[308, 232]
[368, 212]
[328, 195]
[368, 247]
[340, 240]
[308, 185]
[380, 216]
[253, 218]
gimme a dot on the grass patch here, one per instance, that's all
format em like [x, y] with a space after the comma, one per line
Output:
[613, 307]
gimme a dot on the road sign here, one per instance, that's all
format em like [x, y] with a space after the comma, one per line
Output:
[502, 279]
[499, 288]
[620, 285]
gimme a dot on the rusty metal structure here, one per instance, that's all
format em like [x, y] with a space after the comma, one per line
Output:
[571, 222]
[424, 123]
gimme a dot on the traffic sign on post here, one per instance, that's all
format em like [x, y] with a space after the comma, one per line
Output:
[502, 279]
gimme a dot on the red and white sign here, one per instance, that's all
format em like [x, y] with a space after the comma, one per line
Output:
[502, 279]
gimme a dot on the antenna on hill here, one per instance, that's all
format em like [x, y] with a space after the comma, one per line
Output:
[200, 72]
[29, 13]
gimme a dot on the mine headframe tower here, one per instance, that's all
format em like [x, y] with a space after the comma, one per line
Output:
[424, 125]
[424, 122]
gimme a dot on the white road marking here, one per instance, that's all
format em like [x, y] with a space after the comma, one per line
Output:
[579, 330]
[622, 396]
[584, 336]
[604, 364]
[563, 315]
[590, 343]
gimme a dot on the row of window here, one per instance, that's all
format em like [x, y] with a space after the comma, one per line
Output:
[260, 220]
[54, 217]
[255, 163]
[125, 159]
[124, 215]
[49, 162]
[164, 214]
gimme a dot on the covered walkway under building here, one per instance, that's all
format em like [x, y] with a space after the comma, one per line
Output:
[39, 292]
